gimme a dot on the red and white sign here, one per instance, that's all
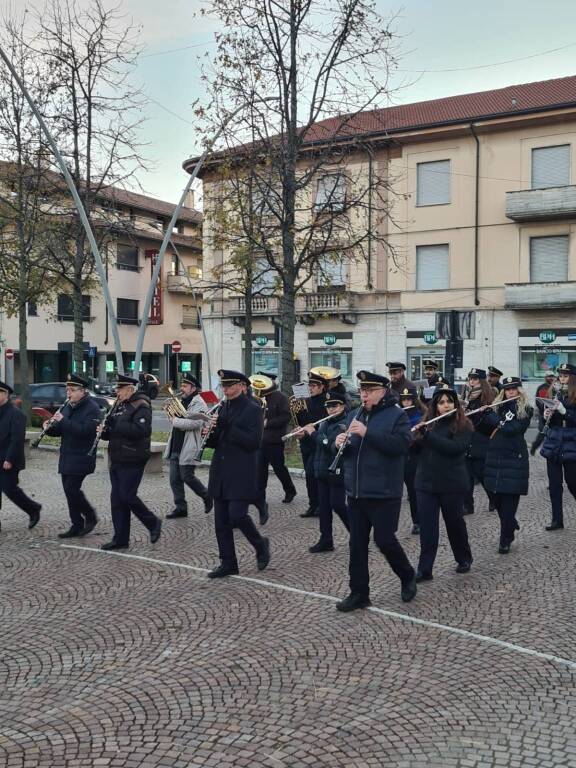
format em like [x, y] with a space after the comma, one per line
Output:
[155, 317]
[9, 354]
[176, 347]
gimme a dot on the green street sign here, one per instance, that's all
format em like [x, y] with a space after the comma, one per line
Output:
[547, 337]
[330, 339]
[109, 366]
[430, 337]
[186, 366]
[261, 341]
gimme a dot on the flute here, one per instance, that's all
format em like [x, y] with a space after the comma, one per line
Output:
[492, 405]
[436, 418]
[301, 429]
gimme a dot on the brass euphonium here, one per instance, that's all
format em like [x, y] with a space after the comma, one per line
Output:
[325, 371]
[173, 406]
[261, 384]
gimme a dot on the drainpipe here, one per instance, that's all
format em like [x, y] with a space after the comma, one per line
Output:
[370, 154]
[476, 214]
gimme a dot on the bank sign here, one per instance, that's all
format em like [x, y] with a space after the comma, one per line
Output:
[547, 337]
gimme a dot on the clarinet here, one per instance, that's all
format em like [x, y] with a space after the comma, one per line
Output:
[546, 425]
[35, 443]
[104, 424]
[334, 468]
[215, 410]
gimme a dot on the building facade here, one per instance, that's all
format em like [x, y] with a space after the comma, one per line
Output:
[482, 223]
[139, 225]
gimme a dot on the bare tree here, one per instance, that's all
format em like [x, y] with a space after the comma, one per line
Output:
[303, 188]
[25, 207]
[93, 51]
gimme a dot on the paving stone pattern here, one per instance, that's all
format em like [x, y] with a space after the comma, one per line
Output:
[112, 661]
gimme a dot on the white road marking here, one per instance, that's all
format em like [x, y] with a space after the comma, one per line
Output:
[373, 609]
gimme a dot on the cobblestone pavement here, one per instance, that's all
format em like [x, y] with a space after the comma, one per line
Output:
[109, 660]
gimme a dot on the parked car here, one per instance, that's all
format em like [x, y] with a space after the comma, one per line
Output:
[51, 395]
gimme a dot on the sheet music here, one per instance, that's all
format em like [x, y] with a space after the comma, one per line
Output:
[547, 402]
[301, 390]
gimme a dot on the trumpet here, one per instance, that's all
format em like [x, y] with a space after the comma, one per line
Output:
[173, 406]
[36, 442]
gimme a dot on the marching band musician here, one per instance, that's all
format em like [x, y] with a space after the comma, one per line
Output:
[559, 447]
[335, 385]
[432, 378]
[331, 491]
[182, 446]
[76, 425]
[315, 411]
[548, 386]
[271, 452]
[415, 410]
[442, 481]
[494, 375]
[128, 433]
[479, 393]
[398, 380]
[12, 462]
[506, 470]
[235, 434]
[374, 450]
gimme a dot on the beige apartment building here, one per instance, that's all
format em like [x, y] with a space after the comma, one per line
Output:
[139, 225]
[482, 221]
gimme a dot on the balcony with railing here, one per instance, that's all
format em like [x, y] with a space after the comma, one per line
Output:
[182, 284]
[538, 204]
[540, 295]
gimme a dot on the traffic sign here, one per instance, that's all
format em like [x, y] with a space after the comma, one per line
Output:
[92, 351]
[9, 354]
[176, 347]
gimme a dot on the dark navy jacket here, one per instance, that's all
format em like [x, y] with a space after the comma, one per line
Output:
[12, 436]
[560, 442]
[129, 431]
[315, 411]
[77, 430]
[236, 440]
[324, 439]
[442, 463]
[506, 469]
[374, 464]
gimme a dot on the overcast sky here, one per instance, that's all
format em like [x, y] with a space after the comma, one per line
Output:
[460, 46]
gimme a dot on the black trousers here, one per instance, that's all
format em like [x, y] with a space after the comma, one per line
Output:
[382, 515]
[9, 486]
[507, 506]
[476, 475]
[556, 473]
[451, 506]
[273, 454]
[181, 475]
[332, 498]
[410, 468]
[311, 482]
[79, 508]
[230, 514]
[124, 499]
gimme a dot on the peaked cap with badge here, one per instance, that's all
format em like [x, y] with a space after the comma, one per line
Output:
[367, 379]
[479, 373]
[396, 366]
[511, 381]
[189, 379]
[232, 377]
[494, 371]
[124, 381]
[317, 379]
[335, 398]
[430, 364]
[409, 392]
[567, 368]
[6, 388]
[73, 380]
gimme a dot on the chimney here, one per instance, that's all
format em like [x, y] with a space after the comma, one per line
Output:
[190, 202]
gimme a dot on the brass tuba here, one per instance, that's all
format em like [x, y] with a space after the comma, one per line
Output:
[260, 384]
[325, 372]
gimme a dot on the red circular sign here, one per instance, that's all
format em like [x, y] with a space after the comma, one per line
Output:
[176, 347]
[9, 354]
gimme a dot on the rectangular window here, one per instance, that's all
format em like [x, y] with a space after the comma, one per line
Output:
[551, 166]
[332, 272]
[536, 363]
[127, 311]
[264, 279]
[265, 360]
[549, 259]
[32, 309]
[416, 358]
[331, 193]
[335, 358]
[432, 267]
[433, 183]
[190, 317]
[127, 257]
[66, 310]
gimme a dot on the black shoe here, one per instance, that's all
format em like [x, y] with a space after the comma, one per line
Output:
[264, 514]
[290, 495]
[408, 591]
[34, 517]
[353, 602]
[415, 529]
[423, 576]
[555, 525]
[491, 507]
[155, 532]
[322, 546]
[72, 533]
[310, 512]
[263, 557]
[89, 526]
[504, 548]
[223, 570]
[177, 513]
[463, 567]
[111, 546]
[208, 504]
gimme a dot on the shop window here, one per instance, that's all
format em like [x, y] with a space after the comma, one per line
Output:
[335, 358]
[536, 363]
[416, 359]
[265, 360]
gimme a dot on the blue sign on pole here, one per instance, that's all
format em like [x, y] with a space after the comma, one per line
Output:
[92, 351]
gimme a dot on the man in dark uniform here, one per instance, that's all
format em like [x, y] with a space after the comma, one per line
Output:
[12, 436]
[276, 420]
[235, 434]
[76, 425]
[374, 455]
[494, 375]
[315, 410]
[128, 431]
[432, 379]
[398, 380]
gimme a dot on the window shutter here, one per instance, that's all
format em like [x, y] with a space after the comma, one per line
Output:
[549, 259]
[433, 183]
[551, 166]
[432, 267]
